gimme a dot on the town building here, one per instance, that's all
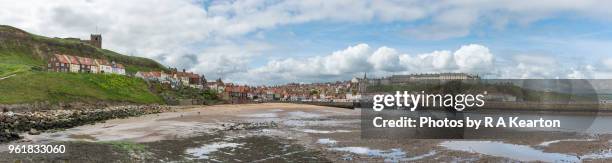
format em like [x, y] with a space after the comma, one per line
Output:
[104, 66]
[187, 78]
[174, 78]
[58, 63]
[94, 68]
[151, 76]
[216, 85]
[85, 64]
[117, 68]
[404, 79]
[235, 93]
[95, 40]
[76, 64]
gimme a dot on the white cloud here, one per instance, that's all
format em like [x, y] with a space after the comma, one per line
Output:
[350, 60]
[575, 74]
[227, 59]
[473, 58]
[385, 59]
[608, 63]
[451, 19]
[150, 28]
[430, 62]
[339, 65]
[355, 60]
[533, 66]
[584, 72]
[455, 22]
[208, 36]
[188, 33]
[459, 18]
[144, 28]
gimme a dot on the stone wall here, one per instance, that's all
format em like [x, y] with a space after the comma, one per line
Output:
[12, 123]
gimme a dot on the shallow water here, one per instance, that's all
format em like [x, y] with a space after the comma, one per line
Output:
[589, 123]
[581, 122]
[260, 115]
[302, 115]
[518, 152]
[203, 151]
[327, 141]
[391, 155]
[323, 131]
[547, 143]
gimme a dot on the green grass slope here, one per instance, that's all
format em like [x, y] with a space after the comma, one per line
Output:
[54, 87]
[23, 57]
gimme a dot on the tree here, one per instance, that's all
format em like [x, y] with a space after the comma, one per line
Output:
[314, 92]
[210, 95]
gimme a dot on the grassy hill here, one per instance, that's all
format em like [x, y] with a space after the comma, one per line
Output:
[20, 47]
[26, 55]
[69, 87]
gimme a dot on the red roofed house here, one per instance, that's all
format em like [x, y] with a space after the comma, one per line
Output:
[194, 81]
[95, 68]
[144, 75]
[236, 93]
[185, 78]
[58, 63]
[68, 63]
[152, 75]
[104, 66]
[74, 65]
[86, 64]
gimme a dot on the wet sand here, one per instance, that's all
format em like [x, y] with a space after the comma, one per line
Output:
[291, 132]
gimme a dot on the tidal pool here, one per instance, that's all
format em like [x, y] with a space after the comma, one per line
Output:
[203, 151]
[518, 152]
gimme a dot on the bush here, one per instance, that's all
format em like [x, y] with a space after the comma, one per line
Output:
[211, 95]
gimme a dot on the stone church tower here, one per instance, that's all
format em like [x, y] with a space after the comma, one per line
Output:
[96, 40]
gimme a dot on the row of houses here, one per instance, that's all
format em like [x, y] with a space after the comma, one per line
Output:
[174, 78]
[69, 63]
[329, 91]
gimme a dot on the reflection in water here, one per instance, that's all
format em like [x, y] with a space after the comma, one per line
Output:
[327, 141]
[517, 152]
[203, 151]
[499, 149]
[580, 122]
[547, 143]
[392, 155]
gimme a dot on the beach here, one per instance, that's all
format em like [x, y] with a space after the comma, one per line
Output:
[293, 132]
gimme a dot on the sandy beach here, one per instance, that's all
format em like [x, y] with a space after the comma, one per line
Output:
[292, 132]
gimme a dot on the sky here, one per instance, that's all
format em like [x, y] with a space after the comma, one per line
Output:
[260, 42]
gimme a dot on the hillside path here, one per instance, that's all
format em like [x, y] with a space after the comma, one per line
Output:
[6, 77]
